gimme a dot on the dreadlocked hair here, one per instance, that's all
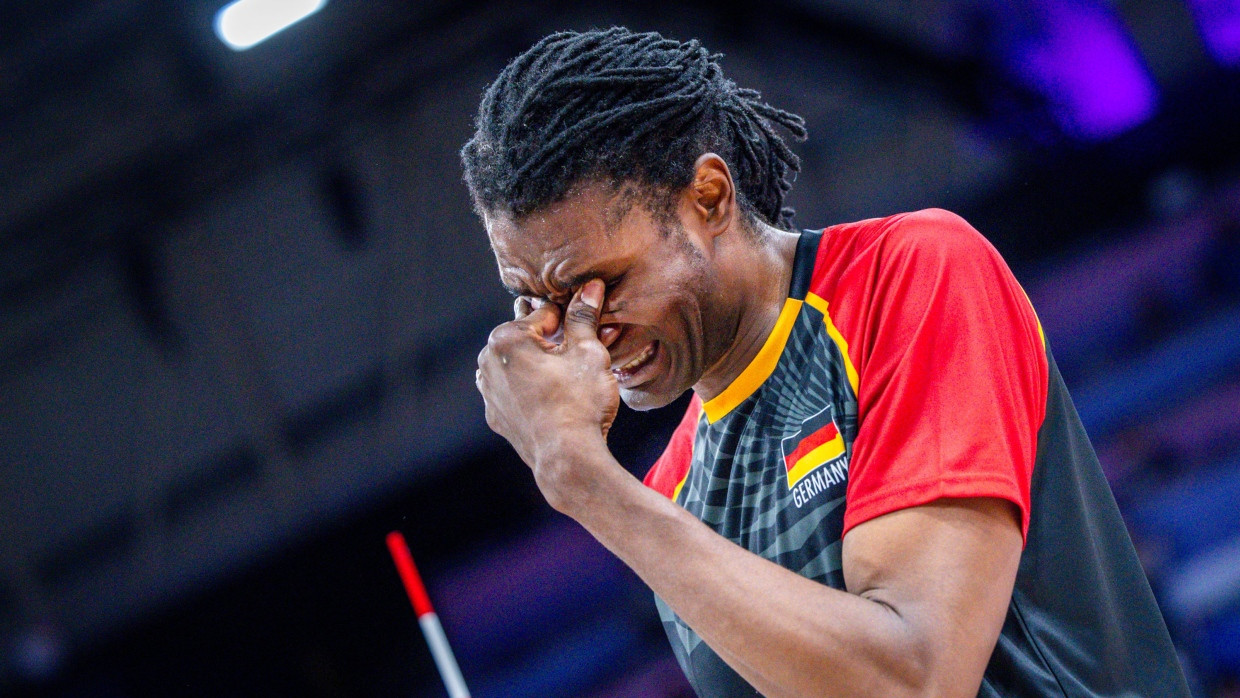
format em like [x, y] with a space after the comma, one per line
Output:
[618, 107]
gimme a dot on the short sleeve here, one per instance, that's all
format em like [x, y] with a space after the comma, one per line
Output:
[952, 371]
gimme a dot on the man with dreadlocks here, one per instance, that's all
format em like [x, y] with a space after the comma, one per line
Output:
[880, 488]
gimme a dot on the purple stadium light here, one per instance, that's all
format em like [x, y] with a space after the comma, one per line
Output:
[1218, 21]
[1080, 59]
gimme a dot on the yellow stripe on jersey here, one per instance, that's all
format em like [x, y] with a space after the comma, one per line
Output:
[1036, 319]
[758, 370]
[680, 485]
[820, 304]
[825, 452]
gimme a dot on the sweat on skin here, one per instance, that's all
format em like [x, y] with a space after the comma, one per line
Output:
[707, 301]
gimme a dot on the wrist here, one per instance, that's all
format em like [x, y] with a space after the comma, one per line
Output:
[574, 471]
[561, 443]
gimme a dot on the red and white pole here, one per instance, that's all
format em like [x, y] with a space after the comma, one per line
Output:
[427, 618]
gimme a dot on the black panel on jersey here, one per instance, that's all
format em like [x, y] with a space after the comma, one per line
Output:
[803, 264]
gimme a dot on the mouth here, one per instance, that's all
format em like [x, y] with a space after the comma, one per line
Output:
[629, 373]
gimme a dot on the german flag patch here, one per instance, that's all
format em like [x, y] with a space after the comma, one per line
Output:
[817, 443]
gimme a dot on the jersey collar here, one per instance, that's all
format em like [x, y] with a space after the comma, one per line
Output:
[763, 364]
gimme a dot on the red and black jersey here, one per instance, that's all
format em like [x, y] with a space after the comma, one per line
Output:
[908, 365]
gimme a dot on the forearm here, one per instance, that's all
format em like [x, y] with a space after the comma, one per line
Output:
[785, 634]
[931, 583]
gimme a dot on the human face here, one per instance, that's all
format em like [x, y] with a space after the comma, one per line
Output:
[660, 311]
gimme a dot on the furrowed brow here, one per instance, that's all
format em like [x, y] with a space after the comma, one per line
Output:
[571, 282]
[578, 280]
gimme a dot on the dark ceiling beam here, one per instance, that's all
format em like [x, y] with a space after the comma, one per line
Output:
[169, 179]
[958, 74]
[52, 47]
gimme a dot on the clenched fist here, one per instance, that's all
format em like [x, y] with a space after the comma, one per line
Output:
[551, 401]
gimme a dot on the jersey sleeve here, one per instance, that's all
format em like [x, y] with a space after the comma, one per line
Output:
[953, 371]
[668, 473]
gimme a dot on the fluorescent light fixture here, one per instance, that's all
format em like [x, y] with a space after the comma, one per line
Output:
[244, 23]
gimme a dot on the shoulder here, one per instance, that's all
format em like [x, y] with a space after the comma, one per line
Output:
[938, 232]
[928, 230]
[850, 253]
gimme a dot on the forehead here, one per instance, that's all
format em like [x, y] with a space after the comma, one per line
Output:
[579, 236]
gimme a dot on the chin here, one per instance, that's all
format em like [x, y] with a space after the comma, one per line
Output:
[641, 400]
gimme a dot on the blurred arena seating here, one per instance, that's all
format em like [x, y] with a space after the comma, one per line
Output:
[1147, 332]
[242, 293]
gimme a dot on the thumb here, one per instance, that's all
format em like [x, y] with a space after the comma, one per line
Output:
[581, 317]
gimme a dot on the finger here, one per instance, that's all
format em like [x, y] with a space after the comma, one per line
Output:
[607, 334]
[544, 320]
[524, 305]
[581, 318]
[521, 307]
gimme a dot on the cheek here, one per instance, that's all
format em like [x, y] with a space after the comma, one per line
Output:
[676, 317]
[667, 301]
[662, 309]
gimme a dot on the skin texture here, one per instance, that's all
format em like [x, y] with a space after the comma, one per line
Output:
[927, 587]
[709, 298]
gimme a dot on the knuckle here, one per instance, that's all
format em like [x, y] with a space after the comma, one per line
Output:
[582, 314]
[496, 334]
[502, 334]
[596, 353]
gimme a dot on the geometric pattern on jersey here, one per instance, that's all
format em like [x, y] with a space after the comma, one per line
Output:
[738, 481]
[1082, 620]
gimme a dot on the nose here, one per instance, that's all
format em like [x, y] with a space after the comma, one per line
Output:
[607, 334]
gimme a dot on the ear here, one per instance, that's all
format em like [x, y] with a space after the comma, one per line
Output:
[712, 195]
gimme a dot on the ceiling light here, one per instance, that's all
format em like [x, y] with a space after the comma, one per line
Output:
[244, 23]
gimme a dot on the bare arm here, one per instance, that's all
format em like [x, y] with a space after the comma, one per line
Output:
[928, 587]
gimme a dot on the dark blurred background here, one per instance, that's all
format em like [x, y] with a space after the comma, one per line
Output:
[242, 294]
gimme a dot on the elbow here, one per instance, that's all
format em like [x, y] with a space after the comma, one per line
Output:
[913, 671]
[927, 674]
[907, 667]
[918, 665]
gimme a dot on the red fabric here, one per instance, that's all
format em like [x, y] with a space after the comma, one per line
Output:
[952, 370]
[673, 465]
